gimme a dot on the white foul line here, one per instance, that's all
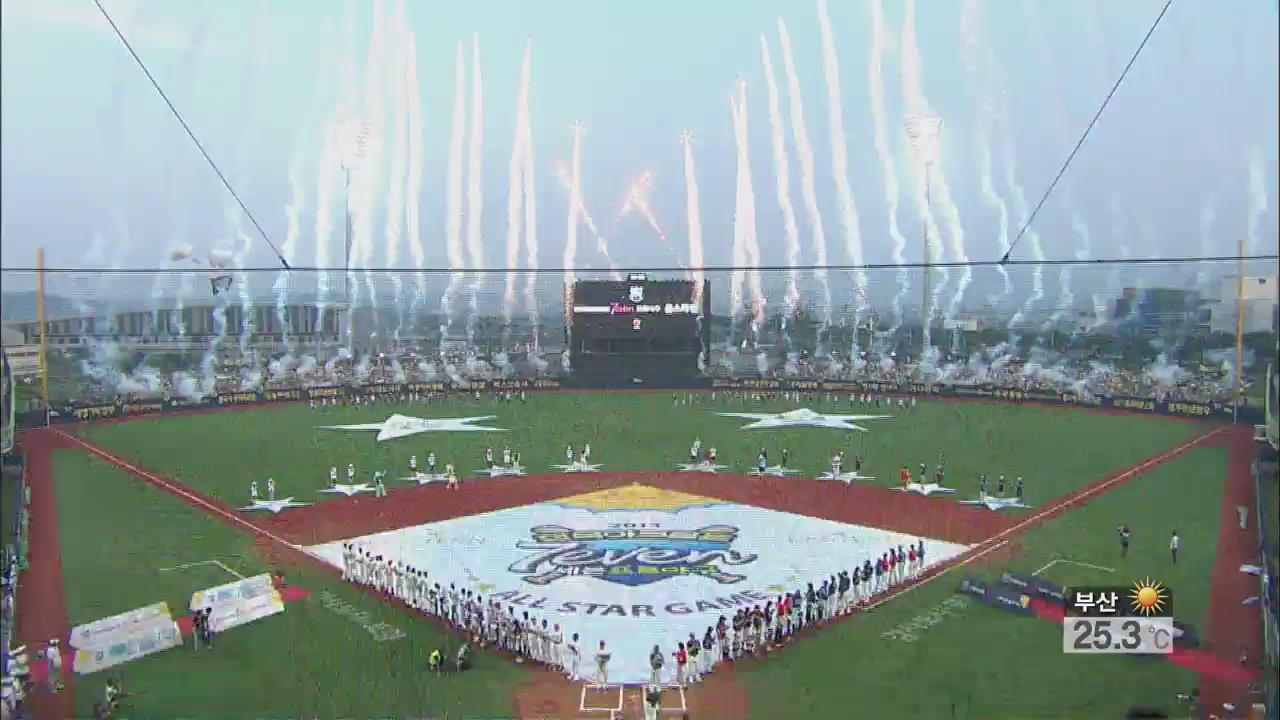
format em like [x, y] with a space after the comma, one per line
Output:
[203, 562]
[1073, 562]
[1046, 511]
[178, 490]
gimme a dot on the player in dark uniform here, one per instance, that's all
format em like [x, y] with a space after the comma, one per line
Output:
[1017, 489]
[982, 484]
[786, 455]
[1125, 536]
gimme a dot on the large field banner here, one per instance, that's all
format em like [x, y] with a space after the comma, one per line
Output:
[120, 638]
[239, 602]
[100, 632]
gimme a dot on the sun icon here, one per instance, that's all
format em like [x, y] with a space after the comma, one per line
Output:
[1148, 597]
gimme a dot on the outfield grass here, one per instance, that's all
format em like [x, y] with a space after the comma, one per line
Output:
[982, 663]
[1054, 450]
[117, 532]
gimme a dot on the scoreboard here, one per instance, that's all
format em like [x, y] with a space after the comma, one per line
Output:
[637, 318]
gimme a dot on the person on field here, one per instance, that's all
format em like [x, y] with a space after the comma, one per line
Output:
[53, 656]
[1126, 535]
[602, 665]
[434, 661]
[655, 666]
[1174, 546]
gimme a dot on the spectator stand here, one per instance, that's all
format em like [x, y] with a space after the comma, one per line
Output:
[15, 498]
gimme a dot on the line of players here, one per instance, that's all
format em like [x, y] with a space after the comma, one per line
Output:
[750, 630]
[794, 396]
[939, 478]
[406, 397]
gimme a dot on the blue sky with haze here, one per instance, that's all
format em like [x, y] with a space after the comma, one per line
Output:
[97, 171]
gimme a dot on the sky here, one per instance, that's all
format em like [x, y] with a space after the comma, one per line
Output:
[97, 171]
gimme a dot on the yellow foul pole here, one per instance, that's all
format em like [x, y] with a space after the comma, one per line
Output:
[40, 317]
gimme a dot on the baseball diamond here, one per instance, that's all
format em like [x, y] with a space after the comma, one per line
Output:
[393, 359]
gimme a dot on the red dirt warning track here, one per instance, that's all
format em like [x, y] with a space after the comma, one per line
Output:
[1234, 630]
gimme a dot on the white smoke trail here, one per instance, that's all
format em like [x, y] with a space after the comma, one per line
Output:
[875, 83]
[1257, 199]
[575, 206]
[397, 142]
[515, 193]
[530, 202]
[453, 192]
[1078, 223]
[804, 151]
[584, 216]
[1208, 215]
[745, 215]
[840, 161]
[326, 191]
[637, 201]
[475, 182]
[1022, 210]
[782, 174]
[978, 59]
[292, 213]
[693, 213]
[366, 185]
[333, 153]
[1119, 236]
[918, 105]
[412, 216]
[738, 277]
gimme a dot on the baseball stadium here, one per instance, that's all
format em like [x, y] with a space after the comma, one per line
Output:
[365, 473]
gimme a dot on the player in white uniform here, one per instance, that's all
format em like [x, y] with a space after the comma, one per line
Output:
[431, 463]
[506, 457]
[568, 454]
[586, 452]
[53, 655]
[602, 665]
[557, 649]
[333, 475]
[451, 476]
[253, 491]
[271, 489]
[413, 464]
[351, 473]
[488, 457]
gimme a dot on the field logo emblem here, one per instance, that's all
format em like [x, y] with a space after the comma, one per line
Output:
[630, 556]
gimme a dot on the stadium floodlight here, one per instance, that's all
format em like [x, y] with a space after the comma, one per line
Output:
[923, 132]
[353, 141]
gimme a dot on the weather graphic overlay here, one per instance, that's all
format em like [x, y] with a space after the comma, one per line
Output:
[1135, 620]
[1148, 598]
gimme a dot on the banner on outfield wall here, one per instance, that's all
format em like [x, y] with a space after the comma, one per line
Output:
[1152, 406]
[240, 602]
[120, 638]
[101, 631]
[1005, 597]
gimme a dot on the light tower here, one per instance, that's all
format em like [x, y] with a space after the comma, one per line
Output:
[922, 133]
[353, 142]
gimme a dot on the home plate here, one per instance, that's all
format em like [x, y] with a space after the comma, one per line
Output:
[635, 565]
